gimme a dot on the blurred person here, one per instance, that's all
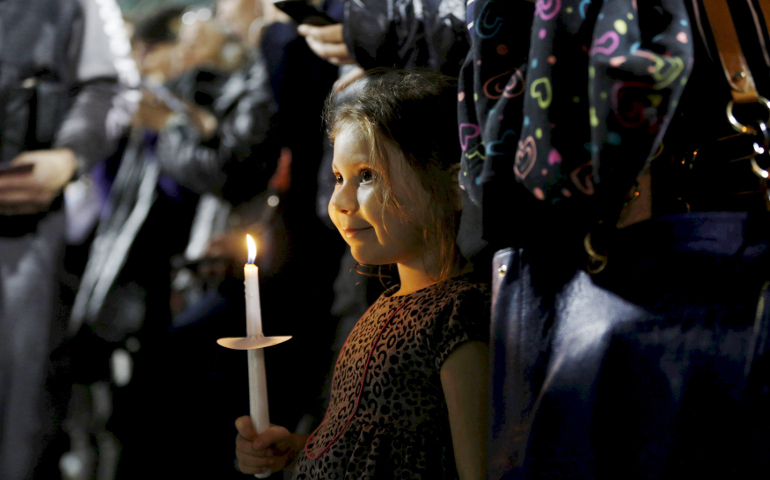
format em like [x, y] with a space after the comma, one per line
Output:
[197, 62]
[203, 43]
[415, 33]
[267, 127]
[64, 84]
[233, 155]
[153, 41]
[200, 42]
[121, 312]
[244, 19]
[630, 320]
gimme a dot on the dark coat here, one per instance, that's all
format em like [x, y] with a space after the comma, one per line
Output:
[654, 367]
[58, 88]
[404, 34]
[239, 159]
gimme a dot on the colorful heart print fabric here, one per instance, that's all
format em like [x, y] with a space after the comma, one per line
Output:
[569, 97]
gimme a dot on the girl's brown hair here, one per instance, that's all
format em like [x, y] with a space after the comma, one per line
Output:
[414, 112]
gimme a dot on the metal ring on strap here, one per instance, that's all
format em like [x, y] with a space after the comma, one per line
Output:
[762, 131]
[738, 126]
[760, 150]
[759, 171]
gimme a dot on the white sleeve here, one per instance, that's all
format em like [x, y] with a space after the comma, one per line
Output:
[107, 86]
[106, 50]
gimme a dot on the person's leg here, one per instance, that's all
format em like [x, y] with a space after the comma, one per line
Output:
[29, 267]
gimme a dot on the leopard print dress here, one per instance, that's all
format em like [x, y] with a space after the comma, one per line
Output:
[387, 417]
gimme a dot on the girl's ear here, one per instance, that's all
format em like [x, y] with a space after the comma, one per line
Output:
[454, 173]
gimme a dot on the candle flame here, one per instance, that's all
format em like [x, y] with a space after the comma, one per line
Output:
[252, 249]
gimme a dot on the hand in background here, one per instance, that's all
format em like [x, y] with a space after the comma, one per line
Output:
[327, 43]
[33, 192]
[351, 76]
[206, 122]
[272, 451]
[152, 112]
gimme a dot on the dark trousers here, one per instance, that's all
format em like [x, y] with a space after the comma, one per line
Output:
[31, 324]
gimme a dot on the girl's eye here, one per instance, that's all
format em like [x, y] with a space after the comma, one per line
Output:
[337, 178]
[366, 175]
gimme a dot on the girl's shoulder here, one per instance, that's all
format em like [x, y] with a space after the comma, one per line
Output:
[465, 297]
[460, 289]
[455, 313]
[456, 298]
[463, 284]
[460, 283]
[459, 296]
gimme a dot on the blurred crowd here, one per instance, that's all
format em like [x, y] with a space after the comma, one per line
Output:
[159, 140]
[220, 135]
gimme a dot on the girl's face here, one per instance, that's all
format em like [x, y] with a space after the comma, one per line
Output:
[376, 236]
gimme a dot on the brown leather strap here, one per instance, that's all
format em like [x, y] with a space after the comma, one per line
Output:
[730, 53]
[764, 5]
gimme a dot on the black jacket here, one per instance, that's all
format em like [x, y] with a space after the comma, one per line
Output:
[407, 33]
[239, 159]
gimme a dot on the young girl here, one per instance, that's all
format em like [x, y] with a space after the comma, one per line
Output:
[409, 390]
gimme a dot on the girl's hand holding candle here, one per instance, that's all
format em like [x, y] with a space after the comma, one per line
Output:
[275, 449]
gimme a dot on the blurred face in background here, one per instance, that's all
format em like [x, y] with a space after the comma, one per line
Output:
[199, 43]
[237, 16]
[155, 62]
[153, 46]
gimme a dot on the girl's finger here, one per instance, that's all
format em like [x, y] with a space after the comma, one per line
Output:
[245, 427]
[248, 464]
[247, 469]
[274, 435]
[245, 446]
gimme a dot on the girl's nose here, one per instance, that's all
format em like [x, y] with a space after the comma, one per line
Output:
[344, 199]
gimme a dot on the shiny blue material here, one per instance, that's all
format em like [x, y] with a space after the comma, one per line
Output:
[654, 368]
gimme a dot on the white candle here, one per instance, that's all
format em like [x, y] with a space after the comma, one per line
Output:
[258, 407]
[253, 308]
[260, 416]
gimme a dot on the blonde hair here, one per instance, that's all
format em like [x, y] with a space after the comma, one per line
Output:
[410, 114]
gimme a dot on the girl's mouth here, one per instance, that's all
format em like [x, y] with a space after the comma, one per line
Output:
[354, 232]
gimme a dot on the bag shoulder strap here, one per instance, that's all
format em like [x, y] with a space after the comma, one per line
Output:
[731, 55]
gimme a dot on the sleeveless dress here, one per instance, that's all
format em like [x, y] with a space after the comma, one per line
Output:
[397, 425]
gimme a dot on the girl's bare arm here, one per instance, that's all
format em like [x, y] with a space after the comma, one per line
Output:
[464, 379]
